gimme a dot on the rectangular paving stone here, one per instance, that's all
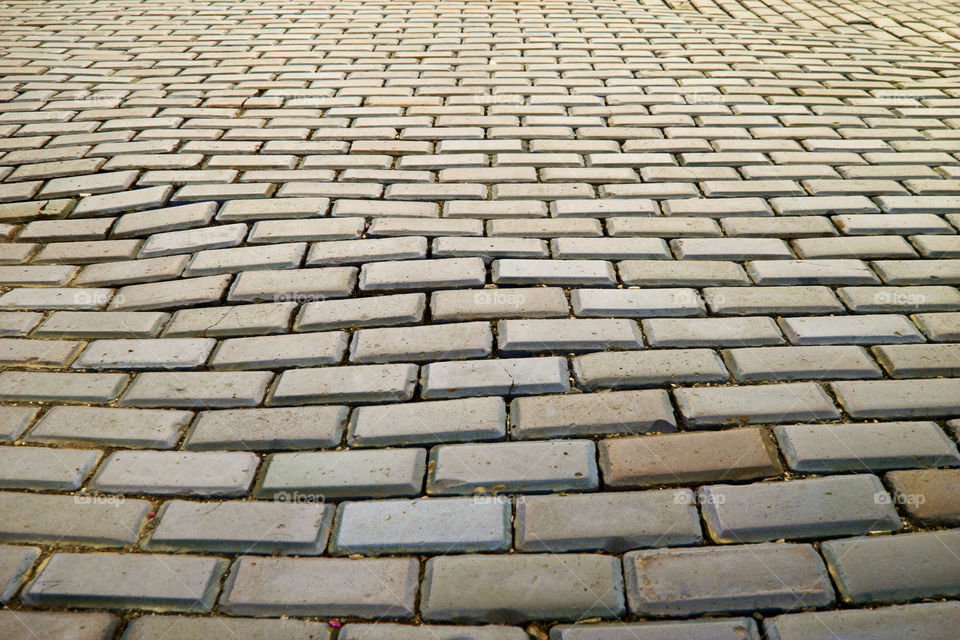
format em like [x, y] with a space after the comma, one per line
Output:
[774, 403]
[829, 272]
[177, 473]
[40, 468]
[102, 324]
[556, 272]
[676, 273]
[197, 389]
[797, 509]
[28, 386]
[899, 398]
[900, 299]
[191, 240]
[173, 294]
[450, 341]
[166, 219]
[939, 327]
[725, 629]
[712, 332]
[926, 621]
[315, 476]
[200, 628]
[636, 303]
[862, 329]
[45, 275]
[516, 588]
[236, 320]
[686, 458]
[766, 577]
[49, 298]
[271, 352]
[779, 364]
[275, 256]
[387, 631]
[90, 519]
[15, 420]
[481, 304]
[422, 274]
[519, 337]
[267, 429]
[360, 251]
[506, 376]
[772, 300]
[876, 446]
[586, 414]
[108, 426]
[422, 526]
[361, 588]
[297, 230]
[895, 569]
[55, 625]
[169, 353]
[16, 324]
[611, 522]
[127, 581]
[928, 496]
[463, 469]
[15, 565]
[22, 352]
[132, 271]
[242, 527]
[293, 285]
[122, 202]
[388, 310]
[428, 422]
[632, 369]
[358, 383]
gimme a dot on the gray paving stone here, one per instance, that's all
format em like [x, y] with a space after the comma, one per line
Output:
[123, 202]
[389, 310]
[422, 274]
[863, 329]
[205, 473]
[482, 304]
[387, 631]
[358, 383]
[900, 299]
[170, 295]
[237, 320]
[191, 240]
[423, 526]
[895, 569]
[519, 337]
[510, 376]
[939, 327]
[876, 446]
[712, 332]
[489, 248]
[676, 273]
[86, 519]
[799, 509]
[293, 285]
[449, 341]
[37, 353]
[314, 476]
[463, 469]
[591, 414]
[360, 251]
[727, 629]
[609, 248]
[636, 303]
[611, 522]
[361, 588]
[29, 386]
[270, 208]
[166, 219]
[919, 360]
[168, 354]
[274, 256]
[925, 621]
[127, 581]
[15, 324]
[801, 363]
[15, 564]
[15, 420]
[151, 627]
[267, 429]
[772, 300]
[899, 398]
[631, 369]
[775, 403]
[46, 275]
[200, 389]
[515, 588]
[56, 625]
[303, 230]
[156, 429]
[829, 272]
[555, 272]
[132, 271]
[428, 422]
[242, 527]
[766, 577]
[270, 352]
[53, 299]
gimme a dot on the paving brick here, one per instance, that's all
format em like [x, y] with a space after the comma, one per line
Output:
[894, 569]
[314, 476]
[423, 526]
[712, 332]
[636, 303]
[928, 496]
[387, 631]
[428, 422]
[939, 327]
[242, 527]
[648, 461]
[110, 427]
[772, 300]
[49, 298]
[676, 273]
[865, 447]
[123, 202]
[422, 274]
[360, 383]
[166, 219]
[47, 275]
[267, 429]
[463, 469]
[127, 581]
[900, 299]
[15, 564]
[922, 621]
[612, 522]
[238, 320]
[177, 473]
[518, 337]
[54, 625]
[727, 629]
[362, 588]
[172, 353]
[766, 577]
[198, 628]
[591, 414]
[170, 295]
[515, 376]
[776, 403]
[86, 519]
[191, 240]
[540, 302]
[515, 588]
[820, 507]
[800, 363]
[633, 369]
[863, 329]
[899, 398]
[197, 389]
[451, 341]
[26, 386]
